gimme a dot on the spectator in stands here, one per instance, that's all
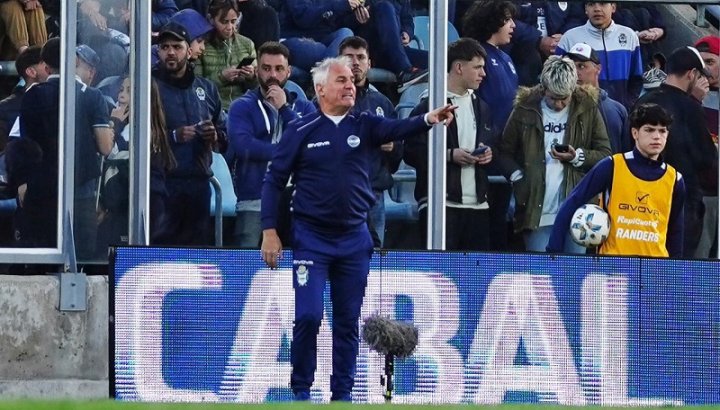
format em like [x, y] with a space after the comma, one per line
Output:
[386, 159]
[24, 25]
[86, 64]
[198, 29]
[120, 116]
[313, 30]
[539, 27]
[224, 60]
[491, 22]
[618, 48]
[690, 150]
[638, 176]
[555, 134]
[646, 20]
[709, 48]
[388, 26]
[114, 195]
[331, 238]
[104, 26]
[470, 142]
[37, 179]
[162, 162]
[32, 70]
[588, 67]
[260, 22]
[194, 124]
[256, 122]
[161, 12]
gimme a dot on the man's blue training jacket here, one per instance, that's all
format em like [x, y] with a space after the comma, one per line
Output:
[330, 166]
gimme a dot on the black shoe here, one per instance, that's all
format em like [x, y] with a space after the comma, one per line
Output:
[410, 77]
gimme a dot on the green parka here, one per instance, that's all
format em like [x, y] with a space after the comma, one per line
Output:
[523, 148]
[221, 54]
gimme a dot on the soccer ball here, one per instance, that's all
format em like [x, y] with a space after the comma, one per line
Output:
[590, 225]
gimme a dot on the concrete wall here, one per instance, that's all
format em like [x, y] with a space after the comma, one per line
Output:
[45, 353]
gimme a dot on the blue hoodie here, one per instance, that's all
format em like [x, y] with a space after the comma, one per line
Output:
[329, 164]
[252, 122]
[615, 116]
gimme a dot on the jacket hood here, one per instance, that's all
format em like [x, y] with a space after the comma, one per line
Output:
[530, 97]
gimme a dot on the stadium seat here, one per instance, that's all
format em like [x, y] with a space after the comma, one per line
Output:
[399, 211]
[410, 98]
[381, 75]
[421, 39]
[400, 203]
[222, 200]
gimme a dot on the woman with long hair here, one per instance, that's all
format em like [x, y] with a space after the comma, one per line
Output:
[162, 161]
[229, 58]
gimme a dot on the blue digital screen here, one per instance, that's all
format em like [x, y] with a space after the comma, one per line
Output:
[215, 325]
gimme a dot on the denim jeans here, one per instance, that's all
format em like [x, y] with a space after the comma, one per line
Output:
[376, 216]
[305, 52]
[247, 229]
[537, 240]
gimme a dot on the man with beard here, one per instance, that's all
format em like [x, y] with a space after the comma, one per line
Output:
[690, 150]
[255, 124]
[195, 123]
[709, 48]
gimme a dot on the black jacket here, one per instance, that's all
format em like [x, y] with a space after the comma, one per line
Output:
[416, 154]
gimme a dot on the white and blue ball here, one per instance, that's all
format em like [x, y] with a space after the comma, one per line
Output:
[590, 225]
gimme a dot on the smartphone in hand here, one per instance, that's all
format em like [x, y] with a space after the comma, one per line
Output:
[245, 61]
[561, 147]
[479, 150]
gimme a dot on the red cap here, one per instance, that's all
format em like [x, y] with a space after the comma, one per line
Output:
[709, 44]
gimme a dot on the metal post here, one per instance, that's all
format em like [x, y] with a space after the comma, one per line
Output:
[140, 134]
[437, 68]
[73, 285]
[66, 145]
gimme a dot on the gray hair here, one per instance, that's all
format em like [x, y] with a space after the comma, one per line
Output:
[559, 76]
[321, 69]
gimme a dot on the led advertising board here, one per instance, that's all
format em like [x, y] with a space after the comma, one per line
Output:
[215, 325]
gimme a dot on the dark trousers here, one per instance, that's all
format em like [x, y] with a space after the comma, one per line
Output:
[383, 32]
[499, 198]
[187, 211]
[465, 229]
[694, 216]
[344, 260]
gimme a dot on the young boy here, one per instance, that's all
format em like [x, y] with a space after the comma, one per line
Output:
[643, 196]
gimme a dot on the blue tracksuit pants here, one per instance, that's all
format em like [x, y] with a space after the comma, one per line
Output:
[344, 260]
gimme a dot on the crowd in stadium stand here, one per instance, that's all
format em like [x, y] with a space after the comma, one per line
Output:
[543, 90]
